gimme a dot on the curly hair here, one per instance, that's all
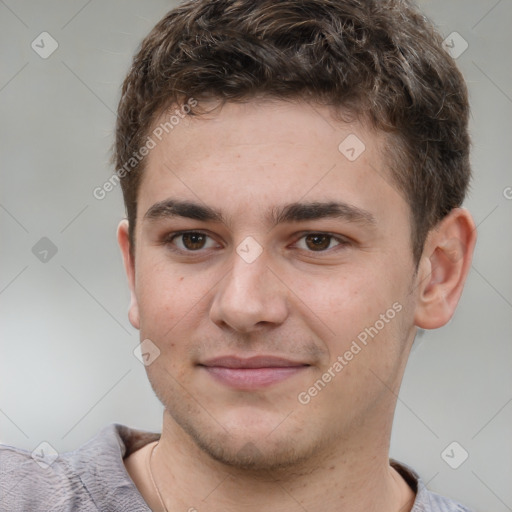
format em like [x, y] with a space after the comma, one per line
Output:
[380, 60]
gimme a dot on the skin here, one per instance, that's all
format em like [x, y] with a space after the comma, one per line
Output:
[228, 449]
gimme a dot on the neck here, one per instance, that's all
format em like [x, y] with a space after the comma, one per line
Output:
[356, 477]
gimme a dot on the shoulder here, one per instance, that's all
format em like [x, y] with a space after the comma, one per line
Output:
[32, 482]
[426, 500]
[432, 502]
[90, 478]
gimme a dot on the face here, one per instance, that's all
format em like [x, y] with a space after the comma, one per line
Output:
[273, 270]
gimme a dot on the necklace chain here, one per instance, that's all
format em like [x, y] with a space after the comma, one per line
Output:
[148, 459]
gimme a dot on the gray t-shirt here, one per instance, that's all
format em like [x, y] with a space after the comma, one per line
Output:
[93, 478]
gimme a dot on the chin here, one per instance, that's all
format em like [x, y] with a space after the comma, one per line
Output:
[251, 453]
[257, 437]
[249, 439]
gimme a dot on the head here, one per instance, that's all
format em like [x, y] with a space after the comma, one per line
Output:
[328, 140]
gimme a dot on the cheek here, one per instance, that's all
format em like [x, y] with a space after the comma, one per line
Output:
[164, 297]
[342, 300]
[174, 305]
[361, 305]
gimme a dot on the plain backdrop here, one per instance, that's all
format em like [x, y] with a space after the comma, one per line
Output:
[67, 366]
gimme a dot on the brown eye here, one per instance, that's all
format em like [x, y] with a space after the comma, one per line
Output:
[318, 242]
[191, 241]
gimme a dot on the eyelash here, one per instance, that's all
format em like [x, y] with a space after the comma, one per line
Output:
[169, 241]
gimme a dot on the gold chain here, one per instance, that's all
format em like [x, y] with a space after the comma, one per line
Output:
[148, 464]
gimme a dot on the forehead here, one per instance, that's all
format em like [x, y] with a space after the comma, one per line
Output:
[305, 126]
[252, 155]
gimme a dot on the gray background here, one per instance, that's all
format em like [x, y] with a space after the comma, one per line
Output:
[67, 365]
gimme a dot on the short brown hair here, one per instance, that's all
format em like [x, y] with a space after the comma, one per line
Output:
[378, 59]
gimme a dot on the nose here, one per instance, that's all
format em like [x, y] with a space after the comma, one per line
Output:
[249, 297]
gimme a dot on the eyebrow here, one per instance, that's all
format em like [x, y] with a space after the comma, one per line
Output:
[170, 208]
[298, 212]
[293, 212]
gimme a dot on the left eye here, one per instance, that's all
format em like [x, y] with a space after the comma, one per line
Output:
[192, 241]
[318, 242]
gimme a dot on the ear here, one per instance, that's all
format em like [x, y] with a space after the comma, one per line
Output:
[123, 240]
[443, 269]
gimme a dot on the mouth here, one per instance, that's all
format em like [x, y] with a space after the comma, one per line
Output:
[252, 373]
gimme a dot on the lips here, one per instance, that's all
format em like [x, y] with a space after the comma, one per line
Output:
[252, 373]
[252, 362]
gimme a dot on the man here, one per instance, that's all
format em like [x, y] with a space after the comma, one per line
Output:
[293, 174]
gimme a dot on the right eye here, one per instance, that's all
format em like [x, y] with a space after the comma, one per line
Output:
[190, 241]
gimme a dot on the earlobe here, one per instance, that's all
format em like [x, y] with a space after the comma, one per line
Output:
[444, 267]
[123, 240]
